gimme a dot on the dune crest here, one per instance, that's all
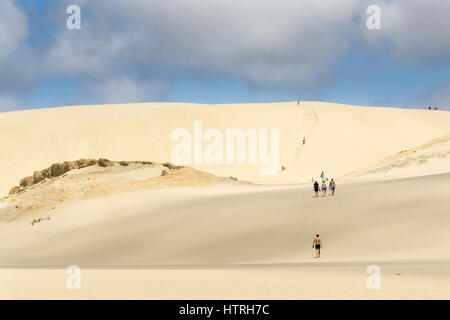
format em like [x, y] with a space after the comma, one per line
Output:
[62, 182]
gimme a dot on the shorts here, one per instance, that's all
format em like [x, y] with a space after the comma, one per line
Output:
[317, 246]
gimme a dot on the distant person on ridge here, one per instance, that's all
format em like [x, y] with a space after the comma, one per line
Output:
[322, 175]
[316, 188]
[317, 244]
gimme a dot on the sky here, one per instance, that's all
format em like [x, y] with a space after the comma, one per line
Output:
[224, 51]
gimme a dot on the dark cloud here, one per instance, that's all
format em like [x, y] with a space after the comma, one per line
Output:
[271, 43]
[132, 50]
[413, 31]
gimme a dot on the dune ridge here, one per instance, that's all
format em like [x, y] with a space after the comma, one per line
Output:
[339, 138]
[436, 149]
[68, 181]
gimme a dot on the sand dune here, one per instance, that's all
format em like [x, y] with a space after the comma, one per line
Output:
[264, 231]
[430, 158]
[193, 233]
[340, 138]
[37, 194]
[245, 224]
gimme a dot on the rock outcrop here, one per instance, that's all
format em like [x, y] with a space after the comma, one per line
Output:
[59, 169]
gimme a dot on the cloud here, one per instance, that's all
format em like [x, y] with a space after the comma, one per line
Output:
[131, 50]
[82, 52]
[287, 43]
[413, 31]
[9, 103]
[439, 97]
[13, 28]
[125, 89]
[17, 61]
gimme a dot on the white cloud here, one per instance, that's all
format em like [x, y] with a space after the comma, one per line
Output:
[17, 64]
[82, 52]
[267, 43]
[124, 89]
[13, 28]
[413, 30]
[437, 97]
[8, 103]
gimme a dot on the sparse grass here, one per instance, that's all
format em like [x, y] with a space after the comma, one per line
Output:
[171, 166]
[102, 162]
[39, 220]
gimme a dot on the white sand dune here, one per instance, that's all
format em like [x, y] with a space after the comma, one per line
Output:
[247, 224]
[340, 138]
[432, 157]
[245, 233]
[231, 240]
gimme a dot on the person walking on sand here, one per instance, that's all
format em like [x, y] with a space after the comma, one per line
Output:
[324, 188]
[332, 186]
[322, 175]
[316, 189]
[317, 244]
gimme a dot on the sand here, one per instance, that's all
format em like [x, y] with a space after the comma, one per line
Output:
[233, 240]
[340, 138]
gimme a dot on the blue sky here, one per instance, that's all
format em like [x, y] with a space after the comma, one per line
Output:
[224, 52]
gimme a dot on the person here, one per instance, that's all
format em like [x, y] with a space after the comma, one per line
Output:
[429, 108]
[304, 140]
[332, 186]
[324, 188]
[316, 188]
[317, 244]
[322, 175]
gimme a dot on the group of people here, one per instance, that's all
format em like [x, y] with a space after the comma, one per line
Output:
[317, 242]
[331, 186]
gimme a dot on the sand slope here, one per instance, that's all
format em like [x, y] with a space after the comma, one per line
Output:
[430, 158]
[203, 238]
[190, 243]
[340, 138]
[395, 219]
